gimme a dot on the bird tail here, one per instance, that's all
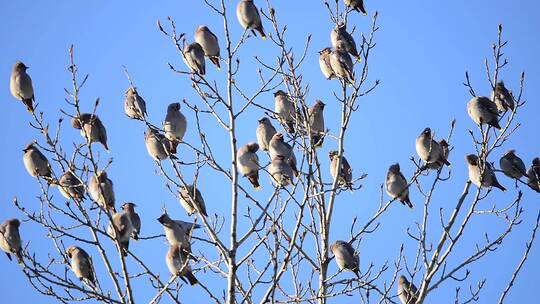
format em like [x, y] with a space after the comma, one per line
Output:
[254, 180]
[290, 126]
[215, 61]
[496, 184]
[446, 162]
[317, 140]
[18, 254]
[29, 105]
[105, 146]
[191, 278]
[261, 31]
[135, 236]
[173, 144]
[407, 202]
[495, 124]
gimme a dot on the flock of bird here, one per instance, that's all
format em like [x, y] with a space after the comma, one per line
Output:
[161, 144]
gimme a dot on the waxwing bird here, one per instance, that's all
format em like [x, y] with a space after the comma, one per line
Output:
[70, 186]
[91, 128]
[406, 291]
[512, 166]
[249, 17]
[10, 239]
[316, 123]
[129, 209]
[178, 232]
[191, 197]
[502, 98]
[265, 131]
[281, 171]
[209, 44]
[20, 85]
[345, 174]
[446, 152]
[346, 258]
[178, 264]
[397, 186]
[101, 190]
[81, 265]
[357, 5]
[175, 126]
[36, 163]
[278, 147]
[487, 179]
[248, 163]
[346, 40]
[429, 150]
[342, 65]
[157, 144]
[194, 58]
[285, 110]
[134, 105]
[533, 175]
[324, 63]
[121, 224]
[483, 111]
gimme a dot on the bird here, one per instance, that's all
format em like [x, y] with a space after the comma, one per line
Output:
[324, 63]
[279, 147]
[346, 258]
[10, 239]
[284, 109]
[178, 232]
[341, 39]
[134, 105]
[248, 163]
[345, 175]
[512, 166]
[406, 291]
[357, 5]
[122, 225]
[533, 175]
[91, 128]
[397, 186]
[502, 98]
[429, 150]
[446, 152]
[81, 265]
[209, 43]
[70, 186]
[316, 123]
[249, 18]
[178, 264]
[101, 190]
[487, 179]
[483, 111]
[175, 126]
[36, 163]
[157, 144]
[20, 85]
[281, 171]
[129, 209]
[190, 196]
[194, 58]
[265, 131]
[342, 64]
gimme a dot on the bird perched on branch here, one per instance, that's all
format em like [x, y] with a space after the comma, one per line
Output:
[175, 126]
[129, 209]
[265, 132]
[134, 105]
[512, 166]
[70, 186]
[324, 63]
[346, 258]
[502, 98]
[10, 239]
[248, 163]
[281, 171]
[397, 186]
[190, 196]
[342, 64]
[429, 150]
[316, 123]
[357, 5]
[194, 58]
[285, 110]
[209, 44]
[446, 152]
[483, 111]
[157, 144]
[121, 229]
[91, 128]
[345, 175]
[178, 264]
[101, 190]
[533, 175]
[20, 85]
[36, 163]
[482, 177]
[178, 232]
[341, 39]
[82, 266]
[407, 292]
[249, 18]
[278, 147]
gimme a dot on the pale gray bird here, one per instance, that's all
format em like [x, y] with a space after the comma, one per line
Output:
[36, 163]
[285, 109]
[70, 186]
[121, 223]
[157, 144]
[342, 65]
[429, 150]
[175, 126]
[178, 264]
[91, 128]
[483, 111]
[397, 186]
[209, 43]
[279, 147]
[316, 123]
[190, 195]
[533, 175]
[357, 5]
[345, 175]
[406, 291]
[194, 58]
[281, 171]
[178, 232]
[502, 98]
[134, 105]
[487, 179]
[248, 163]
[324, 63]
[346, 258]
[249, 17]
[20, 85]
[10, 239]
[81, 265]
[101, 190]
[341, 39]
[512, 166]
[265, 131]
[129, 209]
[446, 152]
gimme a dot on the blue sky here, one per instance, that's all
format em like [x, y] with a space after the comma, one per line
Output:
[423, 49]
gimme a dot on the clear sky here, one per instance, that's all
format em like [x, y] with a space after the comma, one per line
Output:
[423, 50]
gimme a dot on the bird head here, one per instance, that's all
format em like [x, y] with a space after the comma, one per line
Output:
[332, 154]
[320, 104]
[252, 147]
[20, 67]
[131, 91]
[175, 106]
[402, 280]
[536, 161]
[29, 147]
[278, 136]
[472, 159]
[510, 153]
[264, 120]
[76, 123]
[394, 168]
[279, 93]
[15, 223]
[71, 251]
[164, 218]
[427, 132]
[129, 206]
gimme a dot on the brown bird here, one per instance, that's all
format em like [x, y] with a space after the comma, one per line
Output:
[316, 123]
[36, 163]
[209, 43]
[20, 85]
[178, 232]
[485, 180]
[278, 147]
[249, 18]
[446, 152]
[357, 5]
[101, 190]
[190, 196]
[129, 209]
[512, 166]
[10, 239]
[285, 110]
[324, 63]
[533, 175]
[397, 186]
[345, 174]
[81, 265]
[502, 98]
[248, 163]
[91, 128]
[483, 111]
[429, 150]
[264, 133]
[345, 256]
[121, 223]
[406, 291]
[178, 264]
